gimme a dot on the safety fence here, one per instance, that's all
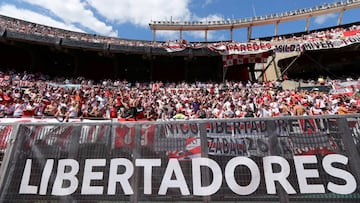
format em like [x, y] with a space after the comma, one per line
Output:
[285, 159]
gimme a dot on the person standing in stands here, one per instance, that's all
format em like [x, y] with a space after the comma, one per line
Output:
[18, 107]
[284, 109]
[73, 109]
[299, 109]
[95, 110]
[8, 109]
[343, 109]
[201, 113]
[113, 111]
[28, 110]
[249, 111]
[133, 104]
[264, 111]
[51, 109]
[119, 102]
[321, 80]
[4, 98]
[165, 114]
[62, 114]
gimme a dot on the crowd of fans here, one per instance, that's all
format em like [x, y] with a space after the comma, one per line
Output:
[36, 95]
[328, 34]
[21, 26]
[24, 94]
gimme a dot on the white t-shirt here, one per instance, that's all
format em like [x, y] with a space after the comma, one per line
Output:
[19, 109]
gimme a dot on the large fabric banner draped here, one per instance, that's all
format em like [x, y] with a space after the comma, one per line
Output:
[235, 53]
[237, 59]
[161, 161]
[258, 52]
[260, 47]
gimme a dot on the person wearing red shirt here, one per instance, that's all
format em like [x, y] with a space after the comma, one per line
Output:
[113, 112]
[4, 97]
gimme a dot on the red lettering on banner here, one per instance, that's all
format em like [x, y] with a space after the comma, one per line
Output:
[4, 136]
[243, 47]
[229, 47]
[124, 136]
[236, 47]
[308, 126]
[263, 46]
[249, 47]
[268, 45]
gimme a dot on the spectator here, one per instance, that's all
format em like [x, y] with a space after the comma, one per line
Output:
[62, 114]
[201, 113]
[95, 110]
[343, 109]
[51, 109]
[141, 101]
[18, 107]
[74, 110]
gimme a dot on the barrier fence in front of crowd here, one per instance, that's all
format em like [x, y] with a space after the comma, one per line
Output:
[282, 159]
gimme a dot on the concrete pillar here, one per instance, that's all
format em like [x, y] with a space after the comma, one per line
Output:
[249, 30]
[340, 17]
[307, 24]
[154, 36]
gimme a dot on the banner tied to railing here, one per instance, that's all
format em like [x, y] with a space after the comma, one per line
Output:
[249, 157]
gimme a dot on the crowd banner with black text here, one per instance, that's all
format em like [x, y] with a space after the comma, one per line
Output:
[282, 159]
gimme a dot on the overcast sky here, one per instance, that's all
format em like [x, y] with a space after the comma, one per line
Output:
[130, 18]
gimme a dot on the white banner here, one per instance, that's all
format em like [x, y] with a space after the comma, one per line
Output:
[261, 47]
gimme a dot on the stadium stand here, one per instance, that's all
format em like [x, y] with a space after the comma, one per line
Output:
[30, 95]
[67, 113]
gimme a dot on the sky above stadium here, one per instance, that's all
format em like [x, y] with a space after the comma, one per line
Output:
[130, 18]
